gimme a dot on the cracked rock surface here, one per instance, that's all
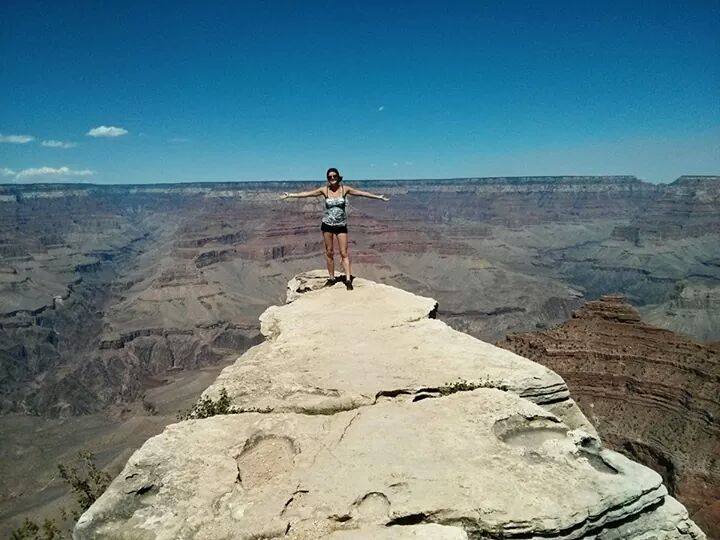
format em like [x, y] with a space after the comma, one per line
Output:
[363, 418]
[338, 350]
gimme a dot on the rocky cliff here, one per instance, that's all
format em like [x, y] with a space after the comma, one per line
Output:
[363, 416]
[113, 297]
[651, 393]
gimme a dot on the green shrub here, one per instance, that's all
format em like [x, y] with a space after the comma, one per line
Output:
[149, 407]
[30, 530]
[87, 482]
[461, 385]
[207, 407]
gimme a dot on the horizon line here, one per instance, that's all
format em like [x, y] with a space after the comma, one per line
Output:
[415, 179]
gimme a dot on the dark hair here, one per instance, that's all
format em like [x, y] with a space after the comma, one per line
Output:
[333, 169]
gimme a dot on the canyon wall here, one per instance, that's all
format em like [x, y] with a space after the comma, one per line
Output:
[116, 300]
[651, 393]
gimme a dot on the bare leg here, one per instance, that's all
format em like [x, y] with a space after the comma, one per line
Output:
[344, 256]
[329, 255]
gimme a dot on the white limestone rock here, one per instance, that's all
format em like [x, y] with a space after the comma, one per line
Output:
[389, 425]
[485, 461]
[338, 350]
[400, 532]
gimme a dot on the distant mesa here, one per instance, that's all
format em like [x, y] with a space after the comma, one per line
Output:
[696, 180]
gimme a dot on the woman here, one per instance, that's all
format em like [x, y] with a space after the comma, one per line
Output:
[334, 221]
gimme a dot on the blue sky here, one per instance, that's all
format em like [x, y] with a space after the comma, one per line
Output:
[214, 91]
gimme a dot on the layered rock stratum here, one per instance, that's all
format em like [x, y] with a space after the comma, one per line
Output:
[119, 304]
[652, 394]
[363, 416]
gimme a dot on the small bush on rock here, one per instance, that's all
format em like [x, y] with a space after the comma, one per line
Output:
[461, 385]
[207, 407]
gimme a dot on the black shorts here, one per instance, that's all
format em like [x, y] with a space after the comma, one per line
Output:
[335, 229]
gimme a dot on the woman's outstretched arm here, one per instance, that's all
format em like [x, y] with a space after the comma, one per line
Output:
[353, 191]
[312, 193]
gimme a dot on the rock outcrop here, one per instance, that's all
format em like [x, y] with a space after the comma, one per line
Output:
[651, 393]
[362, 416]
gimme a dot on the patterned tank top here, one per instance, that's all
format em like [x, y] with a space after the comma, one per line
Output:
[335, 210]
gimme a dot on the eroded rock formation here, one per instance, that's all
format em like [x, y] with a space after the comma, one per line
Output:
[361, 416]
[652, 394]
[110, 295]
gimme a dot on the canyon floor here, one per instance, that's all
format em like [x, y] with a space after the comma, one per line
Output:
[117, 300]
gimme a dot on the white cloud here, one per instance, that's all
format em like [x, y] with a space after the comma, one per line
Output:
[50, 173]
[179, 140]
[106, 131]
[381, 108]
[16, 139]
[7, 172]
[59, 144]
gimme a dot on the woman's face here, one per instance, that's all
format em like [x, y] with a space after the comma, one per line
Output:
[332, 178]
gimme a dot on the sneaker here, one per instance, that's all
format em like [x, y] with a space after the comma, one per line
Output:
[330, 282]
[348, 283]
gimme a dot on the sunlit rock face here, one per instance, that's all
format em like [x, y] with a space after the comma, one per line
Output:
[651, 393]
[362, 416]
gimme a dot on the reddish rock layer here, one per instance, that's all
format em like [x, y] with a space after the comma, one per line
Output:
[651, 393]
